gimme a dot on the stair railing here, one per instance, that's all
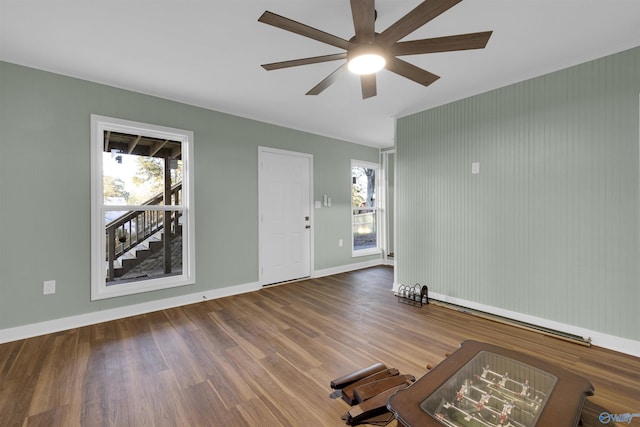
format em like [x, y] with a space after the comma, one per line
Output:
[132, 228]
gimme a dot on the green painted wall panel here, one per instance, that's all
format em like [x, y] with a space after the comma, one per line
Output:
[45, 191]
[549, 228]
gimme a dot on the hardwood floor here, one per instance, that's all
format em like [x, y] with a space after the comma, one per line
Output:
[265, 359]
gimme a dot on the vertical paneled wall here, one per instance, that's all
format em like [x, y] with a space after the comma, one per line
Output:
[549, 227]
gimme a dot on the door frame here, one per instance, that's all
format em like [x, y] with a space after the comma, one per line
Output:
[261, 151]
[389, 204]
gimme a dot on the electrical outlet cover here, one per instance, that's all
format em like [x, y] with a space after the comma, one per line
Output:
[49, 287]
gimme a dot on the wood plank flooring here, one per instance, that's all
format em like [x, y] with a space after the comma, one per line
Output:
[265, 359]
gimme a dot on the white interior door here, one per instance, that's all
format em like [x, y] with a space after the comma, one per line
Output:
[285, 215]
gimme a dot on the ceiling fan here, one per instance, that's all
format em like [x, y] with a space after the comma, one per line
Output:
[368, 51]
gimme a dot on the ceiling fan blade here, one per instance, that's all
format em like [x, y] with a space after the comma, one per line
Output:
[302, 29]
[442, 44]
[423, 13]
[411, 72]
[368, 83]
[304, 61]
[328, 81]
[363, 12]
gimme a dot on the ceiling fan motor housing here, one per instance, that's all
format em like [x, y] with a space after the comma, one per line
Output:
[357, 49]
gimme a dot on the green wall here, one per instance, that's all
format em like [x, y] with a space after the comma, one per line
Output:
[45, 191]
[549, 228]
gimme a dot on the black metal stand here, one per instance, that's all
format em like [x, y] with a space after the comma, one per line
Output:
[413, 295]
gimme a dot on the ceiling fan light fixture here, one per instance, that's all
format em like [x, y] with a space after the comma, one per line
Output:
[367, 63]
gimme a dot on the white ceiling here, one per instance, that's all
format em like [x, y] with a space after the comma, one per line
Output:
[208, 53]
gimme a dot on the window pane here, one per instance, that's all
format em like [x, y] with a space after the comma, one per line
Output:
[364, 229]
[363, 202]
[139, 248]
[133, 169]
[363, 191]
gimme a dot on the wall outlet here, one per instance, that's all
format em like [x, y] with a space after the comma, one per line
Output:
[49, 287]
[340, 243]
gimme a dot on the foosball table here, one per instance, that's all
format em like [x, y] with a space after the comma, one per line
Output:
[483, 385]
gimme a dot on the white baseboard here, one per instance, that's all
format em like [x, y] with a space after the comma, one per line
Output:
[348, 267]
[66, 323]
[612, 342]
[77, 321]
[71, 322]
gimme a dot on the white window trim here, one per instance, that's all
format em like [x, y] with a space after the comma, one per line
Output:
[369, 251]
[99, 289]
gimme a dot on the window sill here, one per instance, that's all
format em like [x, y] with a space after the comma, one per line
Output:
[138, 287]
[365, 252]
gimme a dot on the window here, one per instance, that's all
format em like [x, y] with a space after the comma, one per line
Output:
[365, 215]
[142, 208]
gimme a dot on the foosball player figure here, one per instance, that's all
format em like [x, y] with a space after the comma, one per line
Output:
[506, 411]
[485, 371]
[483, 400]
[460, 394]
[504, 379]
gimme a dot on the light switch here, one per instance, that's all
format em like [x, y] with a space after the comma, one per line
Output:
[475, 168]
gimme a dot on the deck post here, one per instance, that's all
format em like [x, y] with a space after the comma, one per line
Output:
[167, 215]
